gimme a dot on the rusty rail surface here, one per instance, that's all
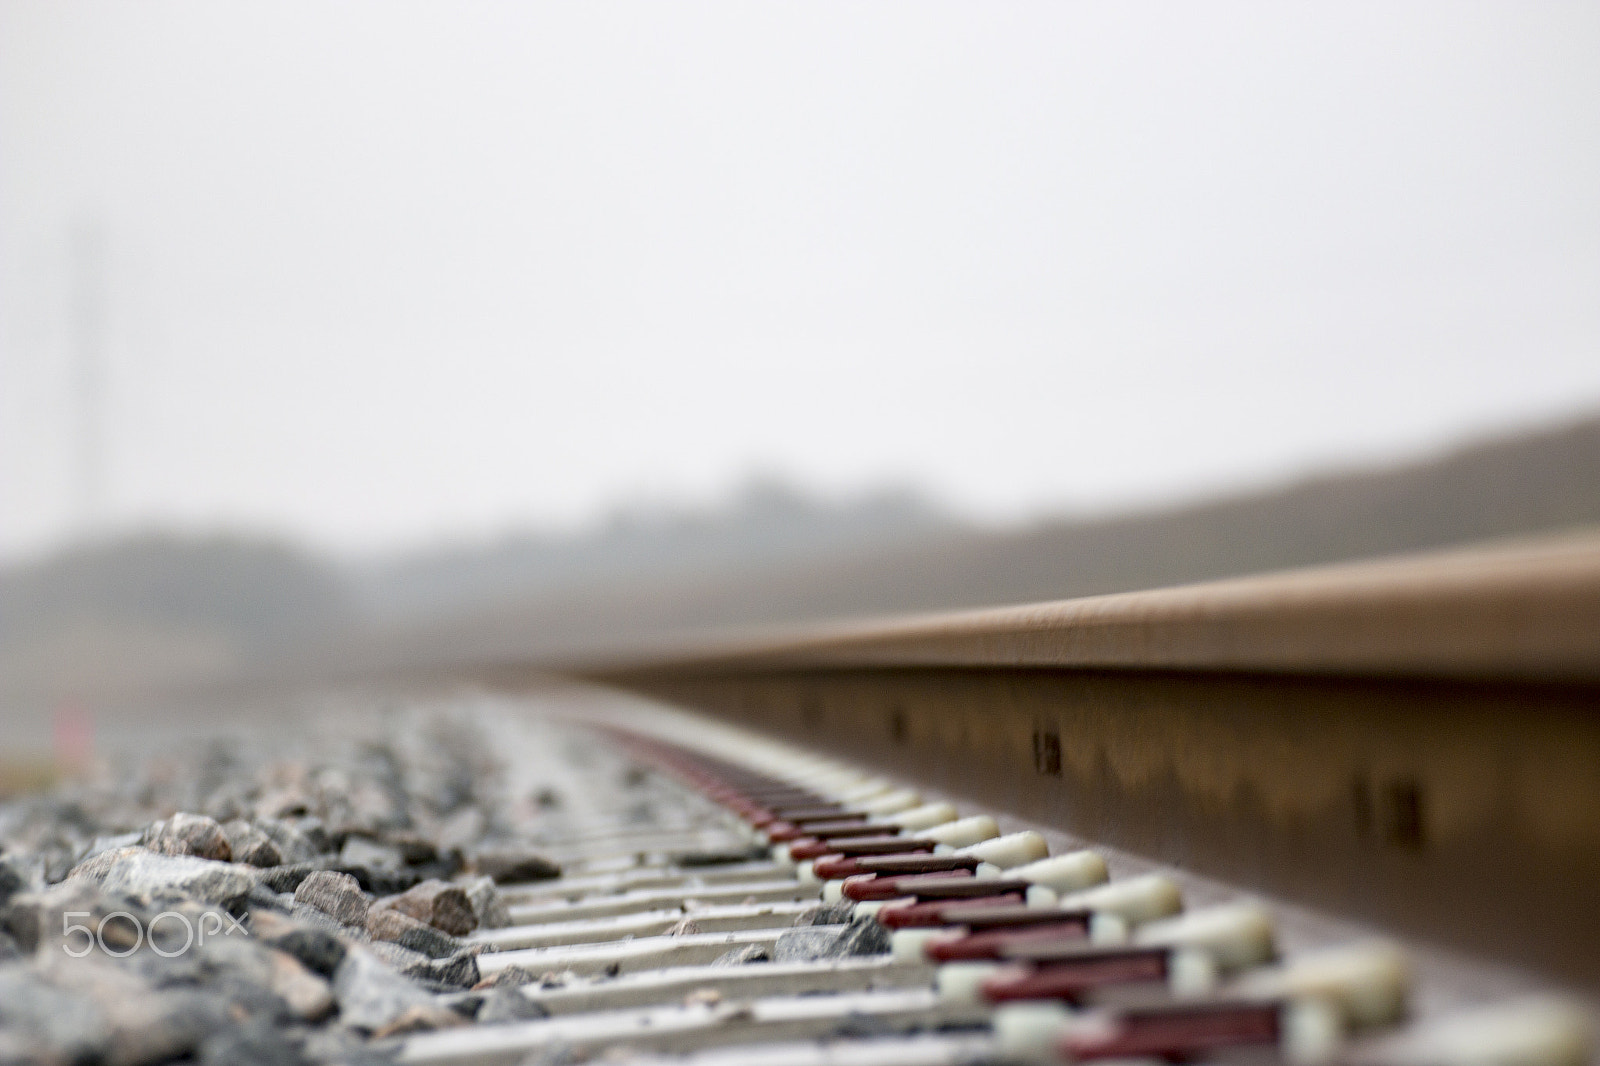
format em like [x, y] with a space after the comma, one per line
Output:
[1412, 741]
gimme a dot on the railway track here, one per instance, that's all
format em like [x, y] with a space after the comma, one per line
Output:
[1341, 816]
[1348, 816]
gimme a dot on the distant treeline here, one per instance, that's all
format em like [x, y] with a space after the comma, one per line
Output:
[154, 609]
[1531, 483]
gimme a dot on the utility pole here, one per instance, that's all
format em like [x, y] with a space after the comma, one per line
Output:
[88, 324]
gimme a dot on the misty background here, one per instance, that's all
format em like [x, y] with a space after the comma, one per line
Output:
[159, 611]
[335, 337]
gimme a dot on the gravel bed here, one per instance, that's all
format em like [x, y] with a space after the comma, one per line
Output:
[267, 901]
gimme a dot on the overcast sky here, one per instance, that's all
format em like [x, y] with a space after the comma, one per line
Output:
[382, 272]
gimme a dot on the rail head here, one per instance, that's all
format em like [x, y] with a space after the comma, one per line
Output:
[1521, 611]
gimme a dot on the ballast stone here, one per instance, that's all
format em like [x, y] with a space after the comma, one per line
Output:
[805, 944]
[255, 1045]
[251, 845]
[397, 927]
[287, 877]
[506, 1004]
[337, 895]
[443, 906]
[458, 971]
[487, 906]
[145, 875]
[863, 936]
[514, 866]
[382, 861]
[316, 949]
[48, 1022]
[189, 834]
[370, 994]
[301, 840]
[808, 943]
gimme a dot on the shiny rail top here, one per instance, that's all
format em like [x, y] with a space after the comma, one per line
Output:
[1527, 610]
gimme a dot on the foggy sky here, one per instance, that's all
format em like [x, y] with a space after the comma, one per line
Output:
[378, 272]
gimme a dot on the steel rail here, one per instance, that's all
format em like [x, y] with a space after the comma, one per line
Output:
[1412, 741]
